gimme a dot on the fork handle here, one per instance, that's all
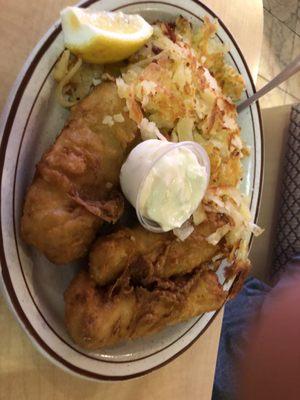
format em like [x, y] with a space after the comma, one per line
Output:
[285, 74]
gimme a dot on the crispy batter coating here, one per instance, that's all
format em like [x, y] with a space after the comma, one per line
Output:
[164, 254]
[97, 317]
[139, 282]
[75, 187]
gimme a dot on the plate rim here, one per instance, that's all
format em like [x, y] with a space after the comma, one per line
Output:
[6, 122]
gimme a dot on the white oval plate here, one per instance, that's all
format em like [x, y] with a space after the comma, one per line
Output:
[33, 287]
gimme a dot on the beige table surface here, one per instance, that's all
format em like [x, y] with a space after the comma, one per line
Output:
[24, 373]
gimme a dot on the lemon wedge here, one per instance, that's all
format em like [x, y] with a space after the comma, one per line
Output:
[103, 37]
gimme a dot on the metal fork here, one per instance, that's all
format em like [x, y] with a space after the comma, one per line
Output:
[290, 70]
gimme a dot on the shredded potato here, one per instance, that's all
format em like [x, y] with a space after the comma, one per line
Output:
[172, 83]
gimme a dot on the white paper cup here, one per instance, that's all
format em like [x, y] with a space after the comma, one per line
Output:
[139, 163]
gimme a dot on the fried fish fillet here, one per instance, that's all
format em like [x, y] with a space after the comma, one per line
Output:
[76, 183]
[97, 317]
[165, 254]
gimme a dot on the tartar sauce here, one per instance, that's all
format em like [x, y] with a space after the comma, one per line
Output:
[165, 181]
[173, 188]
